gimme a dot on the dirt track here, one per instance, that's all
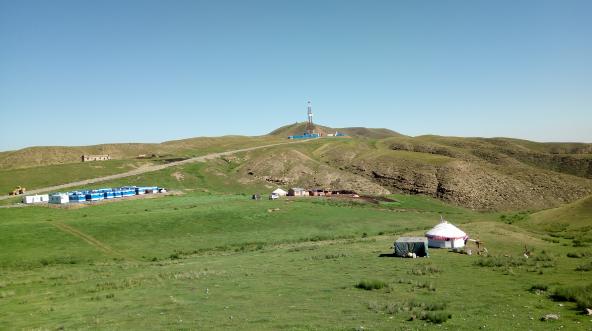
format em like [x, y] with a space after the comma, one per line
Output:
[146, 169]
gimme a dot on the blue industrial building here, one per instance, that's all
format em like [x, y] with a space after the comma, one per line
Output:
[76, 197]
[111, 193]
[305, 136]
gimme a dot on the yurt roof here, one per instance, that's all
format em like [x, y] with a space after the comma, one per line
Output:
[446, 230]
[279, 190]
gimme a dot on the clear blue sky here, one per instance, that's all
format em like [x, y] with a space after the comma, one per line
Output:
[86, 72]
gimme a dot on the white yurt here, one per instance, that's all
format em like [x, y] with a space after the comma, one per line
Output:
[446, 235]
[280, 192]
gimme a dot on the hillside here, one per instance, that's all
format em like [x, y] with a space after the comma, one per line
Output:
[356, 132]
[572, 220]
[478, 173]
[50, 155]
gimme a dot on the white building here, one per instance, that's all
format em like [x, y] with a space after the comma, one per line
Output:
[279, 192]
[59, 198]
[37, 198]
[446, 235]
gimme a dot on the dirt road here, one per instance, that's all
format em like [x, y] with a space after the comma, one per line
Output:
[146, 169]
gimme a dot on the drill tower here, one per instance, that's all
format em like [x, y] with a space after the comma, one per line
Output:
[309, 124]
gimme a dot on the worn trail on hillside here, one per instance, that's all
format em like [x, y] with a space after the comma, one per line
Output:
[90, 240]
[151, 168]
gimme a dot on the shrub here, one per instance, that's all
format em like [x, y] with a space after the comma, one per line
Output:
[550, 239]
[510, 219]
[584, 267]
[370, 285]
[579, 243]
[581, 295]
[500, 261]
[544, 256]
[435, 306]
[437, 317]
[425, 285]
[539, 288]
[425, 270]
[577, 255]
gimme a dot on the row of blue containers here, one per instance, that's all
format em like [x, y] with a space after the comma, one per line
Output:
[314, 135]
[111, 193]
[305, 136]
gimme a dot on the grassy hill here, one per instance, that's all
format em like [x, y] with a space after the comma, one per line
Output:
[42, 156]
[571, 221]
[209, 257]
[478, 173]
[357, 132]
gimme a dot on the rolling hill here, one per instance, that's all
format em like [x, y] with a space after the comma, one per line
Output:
[478, 173]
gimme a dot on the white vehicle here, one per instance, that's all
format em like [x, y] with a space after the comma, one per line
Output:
[274, 196]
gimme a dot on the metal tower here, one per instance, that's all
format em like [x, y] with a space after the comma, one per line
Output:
[309, 124]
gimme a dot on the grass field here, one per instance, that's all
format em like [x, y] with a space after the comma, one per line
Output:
[45, 176]
[222, 261]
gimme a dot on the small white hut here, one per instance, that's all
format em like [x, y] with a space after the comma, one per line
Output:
[446, 235]
[59, 198]
[279, 192]
[37, 198]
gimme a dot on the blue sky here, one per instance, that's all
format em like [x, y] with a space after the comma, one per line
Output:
[86, 72]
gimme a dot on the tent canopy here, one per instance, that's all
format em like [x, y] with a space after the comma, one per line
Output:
[444, 231]
[417, 245]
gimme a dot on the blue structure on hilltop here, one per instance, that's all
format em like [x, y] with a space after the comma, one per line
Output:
[305, 136]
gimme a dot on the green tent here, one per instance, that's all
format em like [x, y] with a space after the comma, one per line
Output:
[417, 245]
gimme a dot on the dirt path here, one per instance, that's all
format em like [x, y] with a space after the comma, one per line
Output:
[146, 169]
[90, 240]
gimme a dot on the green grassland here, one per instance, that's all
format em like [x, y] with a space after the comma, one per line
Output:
[222, 261]
[45, 176]
[209, 257]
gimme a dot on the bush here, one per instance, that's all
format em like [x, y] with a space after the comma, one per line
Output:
[425, 270]
[581, 295]
[370, 285]
[584, 267]
[577, 255]
[437, 317]
[579, 243]
[544, 256]
[500, 261]
[539, 288]
[435, 306]
[510, 219]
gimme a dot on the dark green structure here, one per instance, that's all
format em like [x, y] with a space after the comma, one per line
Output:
[405, 245]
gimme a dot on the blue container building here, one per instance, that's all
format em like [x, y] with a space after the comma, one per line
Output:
[76, 197]
[127, 192]
[94, 196]
[305, 136]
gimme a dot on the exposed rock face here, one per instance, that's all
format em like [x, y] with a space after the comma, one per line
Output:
[292, 168]
[479, 179]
